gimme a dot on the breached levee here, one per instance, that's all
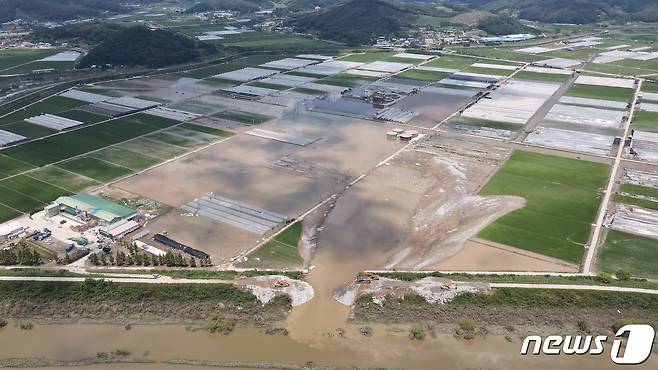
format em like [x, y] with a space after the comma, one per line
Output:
[449, 217]
[266, 287]
[433, 289]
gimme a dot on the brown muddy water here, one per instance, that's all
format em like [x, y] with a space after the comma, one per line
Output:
[389, 347]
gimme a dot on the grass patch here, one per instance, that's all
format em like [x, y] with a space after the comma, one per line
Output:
[501, 54]
[485, 123]
[274, 41]
[99, 291]
[13, 57]
[451, 61]
[153, 148]
[167, 138]
[645, 121]
[206, 72]
[536, 76]
[18, 201]
[562, 196]
[36, 189]
[29, 130]
[242, 117]
[632, 253]
[82, 116]
[74, 143]
[639, 190]
[126, 158]
[63, 179]
[95, 169]
[489, 71]
[53, 105]
[206, 130]
[281, 252]
[7, 214]
[601, 92]
[370, 57]
[651, 87]
[10, 166]
[345, 80]
[615, 69]
[421, 75]
[644, 203]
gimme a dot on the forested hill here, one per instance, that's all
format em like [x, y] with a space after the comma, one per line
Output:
[138, 45]
[356, 22]
[573, 11]
[59, 10]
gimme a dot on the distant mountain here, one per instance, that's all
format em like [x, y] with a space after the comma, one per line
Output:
[356, 22]
[55, 10]
[138, 45]
[572, 11]
[503, 25]
[243, 6]
[59, 10]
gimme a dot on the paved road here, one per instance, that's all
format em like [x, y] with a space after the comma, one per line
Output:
[591, 250]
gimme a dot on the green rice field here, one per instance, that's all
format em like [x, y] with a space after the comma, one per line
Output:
[601, 92]
[632, 253]
[11, 58]
[125, 158]
[242, 117]
[645, 121]
[10, 166]
[70, 144]
[29, 130]
[536, 76]
[280, 252]
[62, 178]
[95, 168]
[562, 198]
[54, 104]
[417, 74]
[640, 202]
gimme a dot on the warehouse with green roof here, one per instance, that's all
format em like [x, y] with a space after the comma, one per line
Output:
[95, 207]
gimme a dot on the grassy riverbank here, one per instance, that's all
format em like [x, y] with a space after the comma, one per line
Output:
[517, 307]
[103, 301]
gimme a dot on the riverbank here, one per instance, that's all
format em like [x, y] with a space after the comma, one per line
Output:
[516, 311]
[126, 303]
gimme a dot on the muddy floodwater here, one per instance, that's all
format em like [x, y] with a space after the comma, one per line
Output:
[250, 348]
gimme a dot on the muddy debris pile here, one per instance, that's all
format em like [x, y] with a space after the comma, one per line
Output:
[266, 287]
[433, 289]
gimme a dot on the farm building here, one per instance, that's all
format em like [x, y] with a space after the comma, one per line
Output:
[119, 229]
[95, 207]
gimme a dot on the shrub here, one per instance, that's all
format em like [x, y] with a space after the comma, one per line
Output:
[466, 328]
[604, 277]
[583, 326]
[416, 332]
[3, 323]
[220, 324]
[623, 275]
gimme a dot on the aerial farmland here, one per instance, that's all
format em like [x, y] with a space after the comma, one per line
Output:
[283, 136]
